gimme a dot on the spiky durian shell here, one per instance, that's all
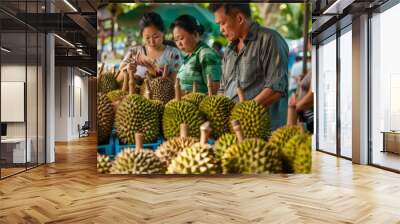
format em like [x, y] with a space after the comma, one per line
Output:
[171, 148]
[145, 161]
[159, 105]
[107, 82]
[217, 110]
[104, 164]
[197, 159]
[297, 154]
[279, 138]
[253, 118]
[137, 114]
[105, 118]
[223, 143]
[178, 112]
[116, 95]
[194, 98]
[162, 89]
[252, 156]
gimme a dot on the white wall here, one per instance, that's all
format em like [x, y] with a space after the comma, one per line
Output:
[16, 73]
[71, 94]
[61, 103]
[33, 127]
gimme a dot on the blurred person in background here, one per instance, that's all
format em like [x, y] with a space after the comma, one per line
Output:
[200, 60]
[296, 73]
[218, 48]
[303, 102]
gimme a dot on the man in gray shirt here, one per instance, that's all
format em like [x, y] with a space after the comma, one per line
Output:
[256, 60]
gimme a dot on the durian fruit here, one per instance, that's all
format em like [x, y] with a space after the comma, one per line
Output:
[223, 143]
[101, 69]
[104, 164]
[279, 138]
[297, 154]
[137, 161]
[250, 156]
[216, 110]
[117, 95]
[105, 118]
[171, 148]
[282, 135]
[159, 105]
[107, 82]
[194, 97]
[253, 117]
[196, 159]
[162, 88]
[136, 114]
[177, 112]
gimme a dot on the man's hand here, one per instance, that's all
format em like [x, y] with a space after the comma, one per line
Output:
[267, 97]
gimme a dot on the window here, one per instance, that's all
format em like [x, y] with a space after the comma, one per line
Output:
[385, 88]
[327, 96]
[346, 93]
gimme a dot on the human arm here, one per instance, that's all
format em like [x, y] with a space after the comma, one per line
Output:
[268, 97]
[274, 60]
[306, 102]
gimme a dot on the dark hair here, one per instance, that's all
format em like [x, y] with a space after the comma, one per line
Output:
[232, 8]
[151, 19]
[217, 45]
[188, 23]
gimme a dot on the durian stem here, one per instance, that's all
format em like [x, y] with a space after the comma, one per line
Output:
[209, 85]
[165, 72]
[125, 86]
[147, 92]
[184, 130]
[195, 87]
[101, 68]
[138, 142]
[241, 94]
[113, 70]
[177, 89]
[131, 83]
[238, 130]
[205, 130]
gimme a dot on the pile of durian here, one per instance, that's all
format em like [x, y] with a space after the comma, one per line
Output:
[244, 142]
[287, 151]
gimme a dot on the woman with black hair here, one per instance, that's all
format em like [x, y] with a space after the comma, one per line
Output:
[154, 52]
[199, 59]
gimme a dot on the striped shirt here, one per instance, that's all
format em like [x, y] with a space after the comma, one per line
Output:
[202, 62]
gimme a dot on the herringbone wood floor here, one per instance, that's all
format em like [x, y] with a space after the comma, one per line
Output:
[70, 191]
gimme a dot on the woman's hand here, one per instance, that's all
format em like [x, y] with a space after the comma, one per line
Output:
[145, 60]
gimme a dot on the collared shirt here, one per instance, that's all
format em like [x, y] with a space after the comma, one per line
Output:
[202, 62]
[261, 63]
[171, 56]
